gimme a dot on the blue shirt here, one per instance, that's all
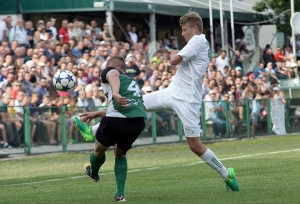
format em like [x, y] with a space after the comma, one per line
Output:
[42, 92]
[256, 71]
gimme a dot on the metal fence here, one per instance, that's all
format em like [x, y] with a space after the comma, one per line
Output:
[40, 127]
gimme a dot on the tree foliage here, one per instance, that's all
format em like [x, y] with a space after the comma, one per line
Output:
[277, 7]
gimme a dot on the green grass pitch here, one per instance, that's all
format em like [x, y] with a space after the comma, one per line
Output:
[267, 171]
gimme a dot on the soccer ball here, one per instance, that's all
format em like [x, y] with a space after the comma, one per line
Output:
[64, 81]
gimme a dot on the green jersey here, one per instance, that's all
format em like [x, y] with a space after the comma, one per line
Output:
[128, 89]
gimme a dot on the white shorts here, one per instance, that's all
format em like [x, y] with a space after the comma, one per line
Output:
[189, 113]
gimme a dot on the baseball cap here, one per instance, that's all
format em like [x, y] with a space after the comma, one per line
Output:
[130, 58]
[211, 92]
[42, 64]
[251, 75]
[238, 68]
[146, 89]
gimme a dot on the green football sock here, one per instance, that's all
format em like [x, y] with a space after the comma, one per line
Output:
[96, 163]
[120, 173]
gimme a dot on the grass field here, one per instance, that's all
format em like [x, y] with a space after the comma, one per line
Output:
[267, 170]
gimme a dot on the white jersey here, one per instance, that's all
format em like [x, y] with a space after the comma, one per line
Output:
[187, 85]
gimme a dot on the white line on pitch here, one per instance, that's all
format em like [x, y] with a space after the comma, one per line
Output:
[157, 167]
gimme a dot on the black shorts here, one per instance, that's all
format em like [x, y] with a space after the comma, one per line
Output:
[120, 131]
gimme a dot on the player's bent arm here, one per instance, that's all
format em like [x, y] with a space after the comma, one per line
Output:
[114, 81]
[176, 59]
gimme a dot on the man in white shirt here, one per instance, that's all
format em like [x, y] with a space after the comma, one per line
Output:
[19, 33]
[222, 61]
[184, 94]
[2, 30]
[133, 35]
[53, 29]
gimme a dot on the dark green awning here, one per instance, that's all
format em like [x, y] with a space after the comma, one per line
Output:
[9, 7]
[49, 6]
[242, 12]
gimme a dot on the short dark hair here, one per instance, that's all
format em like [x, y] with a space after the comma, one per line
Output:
[116, 62]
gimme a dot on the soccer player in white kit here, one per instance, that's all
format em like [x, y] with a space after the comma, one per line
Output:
[184, 94]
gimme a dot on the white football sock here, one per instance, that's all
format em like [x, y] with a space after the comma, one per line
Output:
[94, 128]
[210, 158]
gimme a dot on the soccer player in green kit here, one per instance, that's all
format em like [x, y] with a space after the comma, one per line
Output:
[120, 125]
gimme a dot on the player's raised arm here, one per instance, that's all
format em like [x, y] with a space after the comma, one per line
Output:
[175, 58]
[114, 81]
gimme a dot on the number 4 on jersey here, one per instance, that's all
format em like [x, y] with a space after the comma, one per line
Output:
[135, 88]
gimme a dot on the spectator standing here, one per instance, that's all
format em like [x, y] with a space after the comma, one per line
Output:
[63, 32]
[133, 35]
[30, 33]
[107, 36]
[77, 32]
[97, 30]
[19, 33]
[2, 30]
[222, 61]
[53, 29]
[126, 35]
[7, 21]
[173, 36]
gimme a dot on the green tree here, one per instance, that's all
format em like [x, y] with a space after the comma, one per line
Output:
[278, 6]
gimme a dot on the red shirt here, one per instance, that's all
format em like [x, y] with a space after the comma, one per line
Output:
[63, 33]
[277, 58]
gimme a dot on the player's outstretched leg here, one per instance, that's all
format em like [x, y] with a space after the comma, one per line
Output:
[97, 158]
[87, 131]
[121, 174]
[211, 159]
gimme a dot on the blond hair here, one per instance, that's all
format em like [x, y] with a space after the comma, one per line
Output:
[192, 18]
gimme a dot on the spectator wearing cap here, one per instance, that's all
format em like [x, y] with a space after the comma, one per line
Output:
[238, 71]
[211, 108]
[222, 61]
[63, 32]
[131, 68]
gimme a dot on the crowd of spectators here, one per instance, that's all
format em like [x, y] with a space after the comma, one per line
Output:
[31, 53]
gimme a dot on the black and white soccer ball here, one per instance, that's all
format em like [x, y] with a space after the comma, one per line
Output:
[64, 81]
